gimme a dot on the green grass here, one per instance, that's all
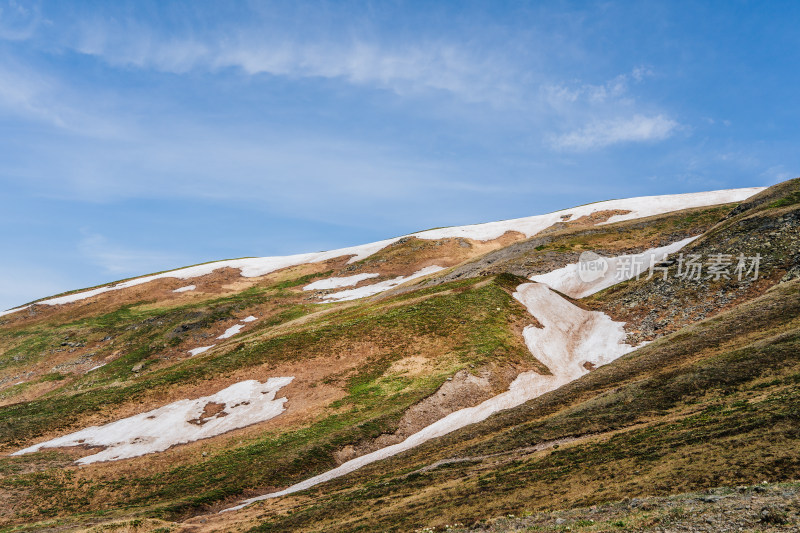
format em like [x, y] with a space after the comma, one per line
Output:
[302, 280]
[790, 199]
[457, 314]
[554, 248]
[717, 405]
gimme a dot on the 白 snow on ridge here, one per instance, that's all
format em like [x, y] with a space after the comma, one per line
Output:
[376, 288]
[640, 207]
[570, 338]
[566, 280]
[185, 289]
[339, 282]
[250, 318]
[529, 226]
[239, 405]
[201, 349]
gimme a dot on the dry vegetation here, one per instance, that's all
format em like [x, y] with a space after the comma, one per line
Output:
[712, 402]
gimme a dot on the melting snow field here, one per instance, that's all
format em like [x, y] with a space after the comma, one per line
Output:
[375, 288]
[643, 206]
[336, 283]
[186, 288]
[200, 350]
[639, 207]
[243, 404]
[231, 331]
[567, 281]
[571, 336]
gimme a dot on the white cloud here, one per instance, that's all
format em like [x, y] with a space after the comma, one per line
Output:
[638, 128]
[617, 90]
[402, 69]
[641, 72]
[407, 69]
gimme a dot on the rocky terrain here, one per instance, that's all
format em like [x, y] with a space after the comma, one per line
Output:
[763, 507]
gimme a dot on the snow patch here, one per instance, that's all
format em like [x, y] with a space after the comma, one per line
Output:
[244, 403]
[249, 268]
[231, 331]
[335, 283]
[567, 280]
[98, 366]
[375, 288]
[186, 288]
[571, 336]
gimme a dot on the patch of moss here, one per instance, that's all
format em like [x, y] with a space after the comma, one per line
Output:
[53, 376]
[790, 199]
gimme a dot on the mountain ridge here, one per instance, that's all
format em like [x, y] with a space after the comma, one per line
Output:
[249, 264]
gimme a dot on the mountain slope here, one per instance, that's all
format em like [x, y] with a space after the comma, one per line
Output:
[716, 404]
[449, 324]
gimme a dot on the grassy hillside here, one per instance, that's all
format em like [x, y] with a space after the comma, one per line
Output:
[450, 325]
[715, 404]
[711, 402]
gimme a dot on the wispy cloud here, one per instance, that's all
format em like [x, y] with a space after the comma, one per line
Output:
[120, 260]
[26, 93]
[778, 173]
[638, 128]
[402, 68]
[316, 178]
[617, 90]
[18, 20]
[32, 95]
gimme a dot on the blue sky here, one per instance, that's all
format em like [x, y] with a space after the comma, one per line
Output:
[141, 136]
